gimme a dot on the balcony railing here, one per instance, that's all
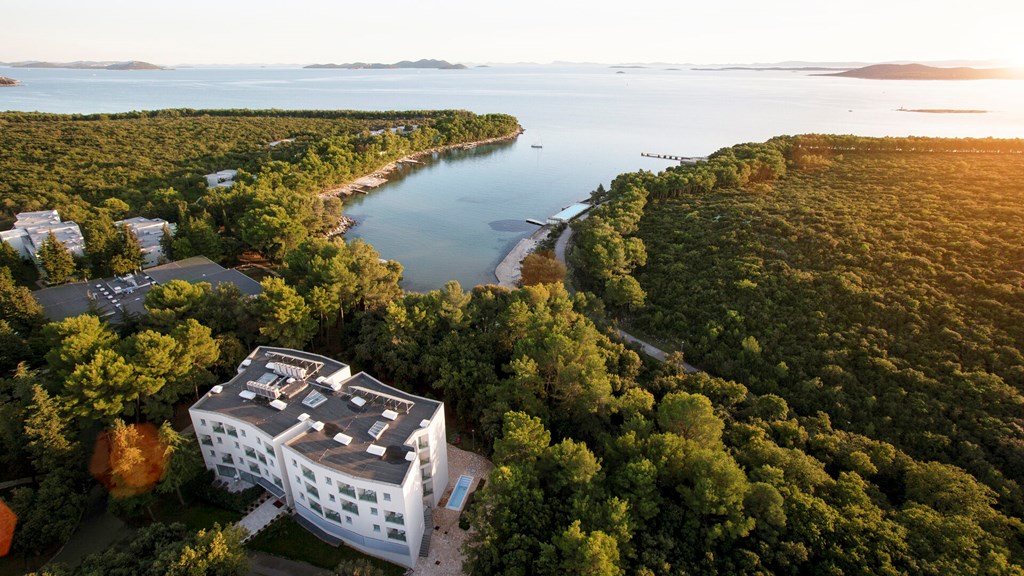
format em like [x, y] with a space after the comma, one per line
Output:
[394, 518]
[350, 507]
[232, 432]
[312, 491]
[250, 452]
[254, 468]
[227, 459]
[368, 495]
[218, 428]
[347, 490]
[396, 534]
[309, 474]
[207, 440]
[269, 449]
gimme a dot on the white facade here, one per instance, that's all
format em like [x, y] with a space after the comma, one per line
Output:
[317, 457]
[150, 232]
[31, 229]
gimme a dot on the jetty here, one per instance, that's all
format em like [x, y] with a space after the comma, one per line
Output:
[534, 222]
[680, 159]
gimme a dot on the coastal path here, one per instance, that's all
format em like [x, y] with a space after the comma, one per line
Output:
[561, 246]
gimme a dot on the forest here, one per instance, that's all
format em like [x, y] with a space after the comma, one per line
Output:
[96, 169]
[775, 461]
[873, 282]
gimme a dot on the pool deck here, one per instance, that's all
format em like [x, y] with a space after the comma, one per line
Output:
[446, 541]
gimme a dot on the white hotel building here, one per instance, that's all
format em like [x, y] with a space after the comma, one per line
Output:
[359, 461]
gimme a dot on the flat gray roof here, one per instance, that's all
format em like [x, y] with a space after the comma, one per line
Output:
[113, 297]
[338, 414]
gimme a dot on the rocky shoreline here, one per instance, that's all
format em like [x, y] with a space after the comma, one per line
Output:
[383, 172]
[5, 81]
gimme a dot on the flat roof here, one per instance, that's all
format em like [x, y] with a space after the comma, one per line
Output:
[338, 414]
[570, 212]
[111, 297]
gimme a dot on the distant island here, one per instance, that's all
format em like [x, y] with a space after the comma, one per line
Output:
[942, 110]
[5, 81]
[633, 66]
[923, 72]
[424, 64]
[88, 65]
[772, 68]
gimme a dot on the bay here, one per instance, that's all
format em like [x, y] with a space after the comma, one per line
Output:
[455, 217]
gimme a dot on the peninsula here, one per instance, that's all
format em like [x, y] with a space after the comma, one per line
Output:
[923, 72]
[5, 81]
[89, 65]
[422, 64]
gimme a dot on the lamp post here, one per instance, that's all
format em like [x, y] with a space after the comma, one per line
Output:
[473, 432]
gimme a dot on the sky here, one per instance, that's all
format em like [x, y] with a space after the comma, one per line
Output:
[479, 31]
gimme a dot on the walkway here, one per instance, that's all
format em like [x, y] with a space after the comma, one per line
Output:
[653, 351]
[509, 270]
[261, 517]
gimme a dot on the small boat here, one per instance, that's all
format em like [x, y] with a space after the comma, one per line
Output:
[536, 145]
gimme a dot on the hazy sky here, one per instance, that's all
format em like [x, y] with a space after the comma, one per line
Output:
[713, 31]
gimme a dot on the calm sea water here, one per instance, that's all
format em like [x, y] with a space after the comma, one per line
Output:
[457, 216]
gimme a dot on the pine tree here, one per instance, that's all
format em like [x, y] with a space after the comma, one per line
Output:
[57, 261]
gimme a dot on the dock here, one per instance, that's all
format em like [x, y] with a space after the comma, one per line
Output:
[680, 159]
[535, 222]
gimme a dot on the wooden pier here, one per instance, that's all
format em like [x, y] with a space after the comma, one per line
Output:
[680, 159]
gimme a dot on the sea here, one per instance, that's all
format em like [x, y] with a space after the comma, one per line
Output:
[456, 216]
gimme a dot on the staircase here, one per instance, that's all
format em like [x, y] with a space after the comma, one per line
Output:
[428, 531]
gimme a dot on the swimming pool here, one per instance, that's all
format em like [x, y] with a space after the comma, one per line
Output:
[458, 497]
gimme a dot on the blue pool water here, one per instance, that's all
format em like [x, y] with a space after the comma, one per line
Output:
[458, 497]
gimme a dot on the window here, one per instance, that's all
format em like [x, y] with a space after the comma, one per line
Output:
[316, 507]
[332, 516]
[250, 452]
[258, 441]
[368, 495]
[373, 511]
[376, 527]
[202, 421]
[294, 463]
[348, 519]
[232, 431]
[220, 440]
[243, 433]
[269, 449]
[327, 480]
[207, 440]
[423, 442]
[396, 534]
[218, 427]
[332, 498]
[312, 491]
[236, 445]
[426, 473]
[387, 497]
[278, 481]
[261, 458]
[302, 497]
[255, 469]
[227, 459]
[213, 453]
[308, 473]
[350, 507]
[346, 490]
[394, 517]
[297, 479]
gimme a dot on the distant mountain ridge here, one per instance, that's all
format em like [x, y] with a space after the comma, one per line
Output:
[923, 72]
[423, 64]
[89, 65]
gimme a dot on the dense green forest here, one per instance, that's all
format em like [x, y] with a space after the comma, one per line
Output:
[99, 168]
[874, 282]
[610, 463]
